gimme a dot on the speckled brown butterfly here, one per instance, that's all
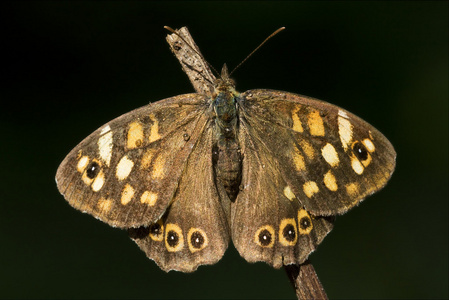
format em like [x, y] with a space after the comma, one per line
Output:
[267, 169]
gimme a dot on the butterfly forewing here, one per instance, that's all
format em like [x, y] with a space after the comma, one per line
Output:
[194, 231]
[127, 171]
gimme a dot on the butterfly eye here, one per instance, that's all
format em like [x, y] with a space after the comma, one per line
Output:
[92, 170]
[360, 151]
[186, 137]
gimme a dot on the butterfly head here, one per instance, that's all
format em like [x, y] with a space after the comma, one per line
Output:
[224, 83]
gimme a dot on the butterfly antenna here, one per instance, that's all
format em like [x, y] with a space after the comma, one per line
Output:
[266, 40]
[194, 50]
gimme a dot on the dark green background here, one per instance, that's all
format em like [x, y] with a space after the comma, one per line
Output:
[69, 67]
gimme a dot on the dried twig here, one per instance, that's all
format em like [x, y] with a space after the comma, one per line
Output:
[305, 281]
[303, 277]
[192, 62]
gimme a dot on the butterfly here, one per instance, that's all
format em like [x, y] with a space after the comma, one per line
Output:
[268, 170]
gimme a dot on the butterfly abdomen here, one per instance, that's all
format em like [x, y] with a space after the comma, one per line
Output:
[227, 161]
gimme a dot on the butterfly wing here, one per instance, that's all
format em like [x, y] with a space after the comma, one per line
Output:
[304, 161]
[126, 172]
[194, 231]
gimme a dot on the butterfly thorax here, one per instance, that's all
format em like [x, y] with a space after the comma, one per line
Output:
[226, 151]
[225, 114]
[224, 105]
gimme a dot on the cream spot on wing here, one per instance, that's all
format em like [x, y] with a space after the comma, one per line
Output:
[86, 180]
[307, 149]
[298, 159]
[310, 188]
[105, 147]
[82, 164]
[147, 158]
[330, 155]
[369, 145]
[330, 182]
[154, 132]
[124, 167]
[104, 205]
[135, 135]
[288, 193]
[127, 194]
[356, 165]
[343, 114]
[105, 129]
[345, 131]
[98, 182]
[158, 168]
[352, 189]
[297, 125]
[315, 122]
[148, 198]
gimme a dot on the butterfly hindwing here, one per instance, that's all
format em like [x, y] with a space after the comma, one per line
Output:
[194, 231]
[268, 222]
[127, 171]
